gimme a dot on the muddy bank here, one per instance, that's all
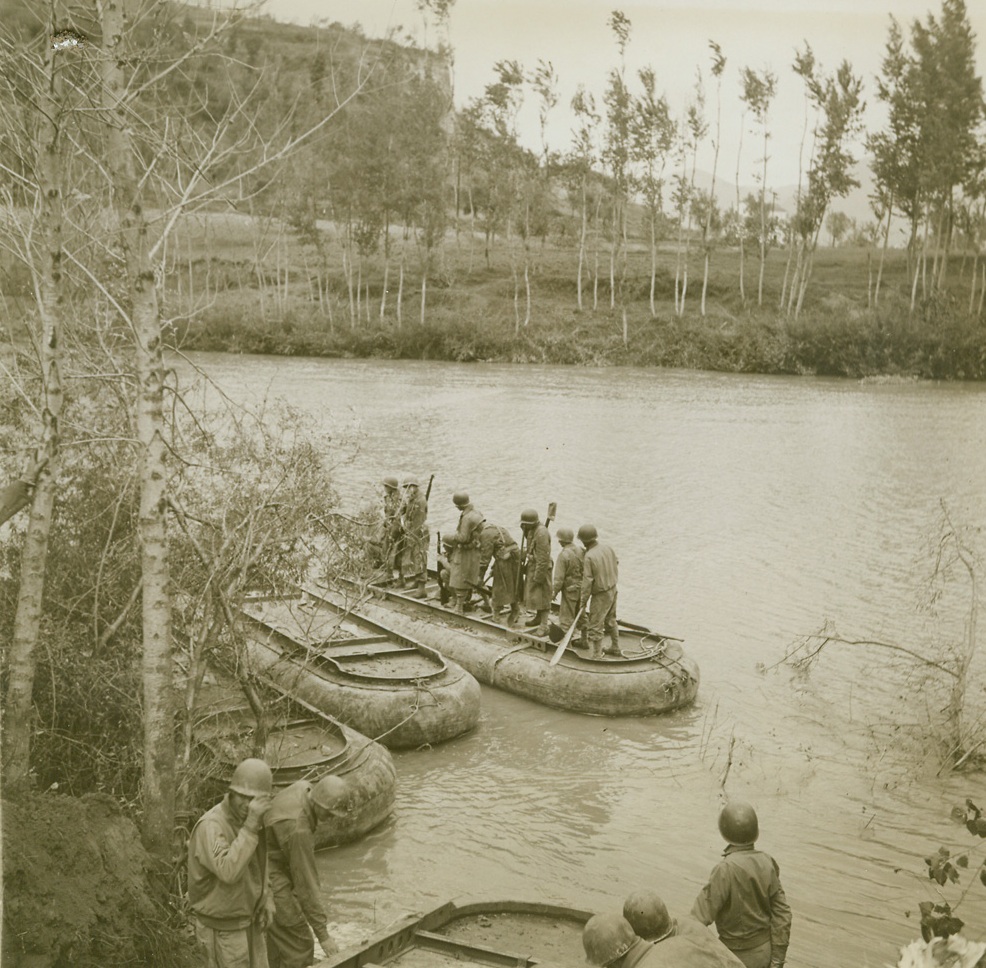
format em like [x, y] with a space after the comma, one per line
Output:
[75, 888]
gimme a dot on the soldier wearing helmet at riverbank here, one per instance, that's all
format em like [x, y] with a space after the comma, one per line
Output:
[414, 526]
[537, 570]
[567, 583]
[464, 544]
[291, 822]
[228, 891]
[610, 941]
[496, 544]
[744, 896]
[600, 572]
[391, 522]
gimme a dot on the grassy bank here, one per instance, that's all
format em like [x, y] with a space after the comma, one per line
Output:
[243, 285]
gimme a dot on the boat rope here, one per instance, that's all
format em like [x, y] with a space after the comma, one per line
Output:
[502, 656]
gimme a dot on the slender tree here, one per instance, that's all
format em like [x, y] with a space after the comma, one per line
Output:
[718, 67]
[584, 154]
[758, 93]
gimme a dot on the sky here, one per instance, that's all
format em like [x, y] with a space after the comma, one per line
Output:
[672, 37]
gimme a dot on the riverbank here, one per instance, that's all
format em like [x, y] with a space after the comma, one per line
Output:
[831, 339]
[473, 307]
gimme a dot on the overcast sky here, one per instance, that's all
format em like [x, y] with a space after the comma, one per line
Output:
[672, 37]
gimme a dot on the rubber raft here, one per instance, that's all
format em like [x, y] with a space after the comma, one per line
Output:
[652, 675]
[469, 935]
[304, 749]
[377, 680]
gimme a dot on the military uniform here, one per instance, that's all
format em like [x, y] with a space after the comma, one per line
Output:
[684, 950]
[392, 537]
[497, 545]
[537, 575]
[599, 575]
[745, 899]
[414, 521]
[290, 825]
[464, 565]
[227, 879]
[567, 582]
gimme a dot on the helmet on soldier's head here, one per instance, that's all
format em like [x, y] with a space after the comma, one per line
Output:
[588, 533]
[329, 792]
[648, 915]
[565, 535]
[410, 481]
[460, 499]
[530, 516]
[252, 778]
[391, 482]
[606, 937]
[738, 823]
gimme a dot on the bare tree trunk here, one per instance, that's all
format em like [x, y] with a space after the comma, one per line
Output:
[883, 252]
[705, 278]
[653, 263]
[21, 661]
[158, 793]
[527, 295]
[982, 293]
[582, 240]
[424, 293]
[400, 289]
[386, 273]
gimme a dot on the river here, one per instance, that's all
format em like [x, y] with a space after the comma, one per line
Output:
[746, 511]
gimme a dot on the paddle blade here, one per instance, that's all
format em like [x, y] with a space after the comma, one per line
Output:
[552, 510]
[560, 651]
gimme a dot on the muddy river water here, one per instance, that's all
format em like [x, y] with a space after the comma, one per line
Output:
[745, 511]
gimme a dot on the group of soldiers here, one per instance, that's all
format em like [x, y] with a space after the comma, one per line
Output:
[256, 902]
[253, 887]
[743, 898]
[483, 559]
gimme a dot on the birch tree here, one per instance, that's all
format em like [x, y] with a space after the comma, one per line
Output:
[583, 156]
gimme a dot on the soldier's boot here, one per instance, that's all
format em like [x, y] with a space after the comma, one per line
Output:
[542, 622]
[614, 642]
[535, 619]
[514, 617]
[460, 600]
[595, 648]
[418, 591]
[583, 639]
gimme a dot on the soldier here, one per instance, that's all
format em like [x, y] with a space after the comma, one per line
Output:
[496, 545]
[391, 522]
[537, 570]
[610, 942]
[567, 582]
[291, 822]
[464, 575]
[227, 873]
[414, 526]
[744, 896]
[599, 575]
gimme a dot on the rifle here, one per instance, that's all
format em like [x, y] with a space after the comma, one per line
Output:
[428, 489]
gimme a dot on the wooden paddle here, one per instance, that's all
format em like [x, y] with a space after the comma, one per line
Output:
[559, 652]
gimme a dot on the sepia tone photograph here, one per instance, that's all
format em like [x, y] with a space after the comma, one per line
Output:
[492, 483]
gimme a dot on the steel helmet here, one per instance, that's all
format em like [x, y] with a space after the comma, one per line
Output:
[738, 823]
[329, 792]
[530, 516]
[252, 778]
[648, 915]
[607, 937]
[411, 481]
[460, 499]
[565, 535]
[588, 533]
[391, 482]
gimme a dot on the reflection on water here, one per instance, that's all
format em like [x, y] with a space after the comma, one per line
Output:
[745, 511]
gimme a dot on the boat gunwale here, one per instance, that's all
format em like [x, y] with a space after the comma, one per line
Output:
[393, 941]
[539, 648]
[312, 653]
